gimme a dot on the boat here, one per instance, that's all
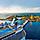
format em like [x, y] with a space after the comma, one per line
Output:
[9, 33]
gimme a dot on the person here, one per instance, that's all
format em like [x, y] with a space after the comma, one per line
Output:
[13, 25]
[5, 24]
[2, 25]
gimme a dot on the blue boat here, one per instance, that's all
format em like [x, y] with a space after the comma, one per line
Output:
[9, 31]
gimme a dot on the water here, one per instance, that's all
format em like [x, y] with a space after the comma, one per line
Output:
[32, 31]
[18, 14]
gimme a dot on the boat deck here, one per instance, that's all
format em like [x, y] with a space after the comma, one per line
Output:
[6, 32]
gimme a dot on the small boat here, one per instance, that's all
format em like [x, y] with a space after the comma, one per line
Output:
[19, 27]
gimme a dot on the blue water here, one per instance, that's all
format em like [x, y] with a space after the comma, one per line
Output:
[32, 31]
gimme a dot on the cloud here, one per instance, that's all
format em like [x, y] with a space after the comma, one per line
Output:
[33, 10]
[11, 9]
[18, 9]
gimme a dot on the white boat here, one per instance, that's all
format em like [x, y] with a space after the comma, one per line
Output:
[19, 27]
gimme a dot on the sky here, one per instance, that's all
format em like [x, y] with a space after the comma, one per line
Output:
[19, 6]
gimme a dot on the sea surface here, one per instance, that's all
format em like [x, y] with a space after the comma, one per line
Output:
[18, 14]
[32, 30]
